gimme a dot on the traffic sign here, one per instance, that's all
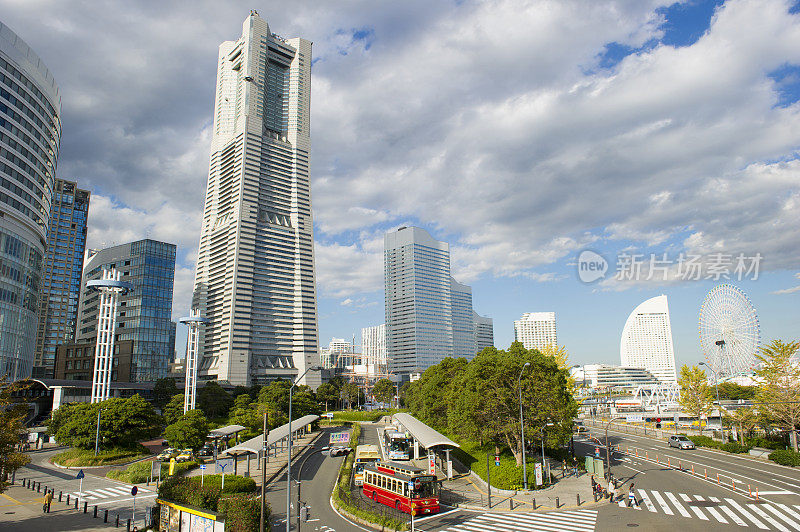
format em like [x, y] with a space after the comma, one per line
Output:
[202, 466]
[597, 452]
[80, 474]
[634, 418]
[134, 491]
[339, 437]
[329, 415]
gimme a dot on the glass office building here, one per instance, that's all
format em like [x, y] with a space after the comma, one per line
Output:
[30, 130]
[63, 265]
[144, 314]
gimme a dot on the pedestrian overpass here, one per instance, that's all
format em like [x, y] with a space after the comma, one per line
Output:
[427, 438]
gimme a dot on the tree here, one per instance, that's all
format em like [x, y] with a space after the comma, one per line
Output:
[276, 394]
[173, 409]
[189, 431]
[696, 397]
[11, 426]
[384, 391]
[779, 393]
[328, 393]
[351, 393]
[123, 423]
[214, 401]
[743, 418]
[429, 396]
[163, 390]
[733, 391]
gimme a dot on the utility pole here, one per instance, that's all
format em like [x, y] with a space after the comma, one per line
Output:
[97, 434]
[263, 474]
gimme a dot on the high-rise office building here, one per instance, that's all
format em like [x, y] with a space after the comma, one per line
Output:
[647, 340]
[30, 130]
[144, 313]
[535, 330]
[484, 332]
[255, 271]
[373, 348]
[429, 315]
[63, 267]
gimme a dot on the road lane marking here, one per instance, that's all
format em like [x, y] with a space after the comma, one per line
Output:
[747, 514]
[677, 504]
[788, 509]
[646, 500]
[662, 503]
[792, 523]
[695, 509]
[736, 519]
[714, 513]
[776, 493]
[768, 518]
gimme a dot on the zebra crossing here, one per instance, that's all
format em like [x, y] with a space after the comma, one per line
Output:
[108, 493]
[762, 515]
[567, 521]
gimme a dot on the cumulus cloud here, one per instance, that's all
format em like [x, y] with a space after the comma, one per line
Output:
[789, 290]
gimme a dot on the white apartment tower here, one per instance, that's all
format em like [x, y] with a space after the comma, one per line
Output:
[647, 340]
[535, 330]
[373, 349]
[255, 269]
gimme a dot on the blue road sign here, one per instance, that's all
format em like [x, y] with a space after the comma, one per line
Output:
[134, 491]
[202, 466]
[80, 474]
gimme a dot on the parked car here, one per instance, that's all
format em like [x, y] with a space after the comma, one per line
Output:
[165, 455]
[185, 456]
[681, 442]
[206, 451]
[339, 451]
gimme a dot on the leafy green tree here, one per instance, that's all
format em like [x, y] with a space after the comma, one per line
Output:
[733, 391]
[328, 393]
[173, 409]
[276, 394]
[430, 395]
[696, 397]
[304, 402]
[189, 431]
[351, 393]
[744, 419]
[11, 425]
[214, 401]
[123, 423]
[163, 390]
[779, 393]
[384, 391]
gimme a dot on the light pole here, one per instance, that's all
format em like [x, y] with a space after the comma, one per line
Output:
[289, 454]
[716, 386]
[522, 428]
[97, 434]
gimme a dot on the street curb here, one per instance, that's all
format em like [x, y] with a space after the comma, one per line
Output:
[280, 469]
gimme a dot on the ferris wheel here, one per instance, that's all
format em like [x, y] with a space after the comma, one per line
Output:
[730, 333]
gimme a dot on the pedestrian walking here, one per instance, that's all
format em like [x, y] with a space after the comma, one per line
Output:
[611, 489]
[594, 484]
[48, 498]
[632, 497]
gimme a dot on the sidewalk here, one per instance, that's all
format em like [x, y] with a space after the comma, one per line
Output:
[21, 511]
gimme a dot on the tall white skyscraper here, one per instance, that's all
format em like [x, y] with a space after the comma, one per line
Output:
[255, 270]
[429, 315]
[647, 340]
[536, 330]
[373, 348]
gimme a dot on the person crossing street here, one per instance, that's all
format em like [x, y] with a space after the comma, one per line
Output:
[48, 499]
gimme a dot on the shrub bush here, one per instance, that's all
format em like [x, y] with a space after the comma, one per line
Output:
[358, 415]
[705, 441]
[734, 447]
[765, 443]
[785, 457]
[133, 474]
[189, 491]
[242, 513]
[84, 457]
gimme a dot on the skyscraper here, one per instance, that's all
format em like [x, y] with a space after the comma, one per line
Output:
[144, 314]
[255, 270]
[30, 130]
[536, 330]
[429, 315]
[647, 340]
[484, 332]
[63, 265]
[373, 348]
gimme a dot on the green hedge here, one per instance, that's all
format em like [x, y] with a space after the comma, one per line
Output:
[133, 474]
[734, 447]
[765, 443]
[507, 475]
[242, 513]
[785, 457]
[361, 415]
[84, 457]
[705, 441]
[189, 491]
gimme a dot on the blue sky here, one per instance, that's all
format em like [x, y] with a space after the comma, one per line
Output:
[519, 132]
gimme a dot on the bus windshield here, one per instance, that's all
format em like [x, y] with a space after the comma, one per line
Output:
[424, 489]
[398, 443]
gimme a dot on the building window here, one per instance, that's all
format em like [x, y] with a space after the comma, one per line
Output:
[69, 364]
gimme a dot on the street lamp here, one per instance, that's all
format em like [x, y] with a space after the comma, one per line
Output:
[716, 386]
[522, 428]
[97, 434]
[289, 454]
[543, 426]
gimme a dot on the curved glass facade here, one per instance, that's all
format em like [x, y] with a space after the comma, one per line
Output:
[30, 129]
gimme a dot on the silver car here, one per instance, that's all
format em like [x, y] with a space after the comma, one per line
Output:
[681, 442]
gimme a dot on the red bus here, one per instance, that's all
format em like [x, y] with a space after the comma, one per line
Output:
[400, 486]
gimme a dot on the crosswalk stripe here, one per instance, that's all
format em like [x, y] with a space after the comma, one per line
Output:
[105, 493]
[536, 521]
[792, 523]
[768, 518]
[736, 519]
[677, 503]
[714, 513]
[121, 491]
[747, 514]
[695, 509]
[662, 503]
[788, 509]
[646, 500]
[586, 519]
[570, 521]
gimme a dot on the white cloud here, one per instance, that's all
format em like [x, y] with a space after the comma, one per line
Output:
[789, 290]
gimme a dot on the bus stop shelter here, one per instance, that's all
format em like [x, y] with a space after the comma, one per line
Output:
[427, 438]
[277, 438]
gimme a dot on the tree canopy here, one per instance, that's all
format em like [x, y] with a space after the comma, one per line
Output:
[173, 409]
[779, 393]
[163, 390]
[214, 401]
[189, 431]
[11, 424]
[123, 422]
[384, 391]
[696, 397]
